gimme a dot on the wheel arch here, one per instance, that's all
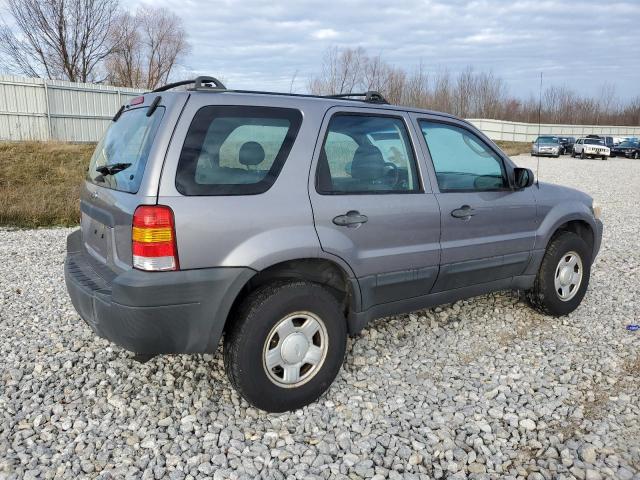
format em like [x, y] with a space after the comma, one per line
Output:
[580, 227]
[330, 273]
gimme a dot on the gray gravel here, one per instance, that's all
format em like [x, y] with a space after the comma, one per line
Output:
[484, 388]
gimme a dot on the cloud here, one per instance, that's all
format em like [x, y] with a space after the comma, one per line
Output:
[325, 34]
[259, 44]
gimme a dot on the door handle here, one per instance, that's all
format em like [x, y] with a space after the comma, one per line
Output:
[465, 212]
[352, 218]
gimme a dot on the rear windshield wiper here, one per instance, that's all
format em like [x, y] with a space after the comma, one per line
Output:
[113, 168]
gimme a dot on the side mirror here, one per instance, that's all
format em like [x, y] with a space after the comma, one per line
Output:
[523, 177]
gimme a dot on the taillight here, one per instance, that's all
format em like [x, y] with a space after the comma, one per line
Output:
[154, 239]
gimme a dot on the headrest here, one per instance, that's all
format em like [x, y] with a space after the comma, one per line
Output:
[251, 153]
[368, 163]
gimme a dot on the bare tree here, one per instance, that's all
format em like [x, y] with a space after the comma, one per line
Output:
[468, 94]
[124, 65]
[151, 44]
[58, 39]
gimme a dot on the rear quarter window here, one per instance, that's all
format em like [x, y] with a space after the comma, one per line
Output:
[235, 150]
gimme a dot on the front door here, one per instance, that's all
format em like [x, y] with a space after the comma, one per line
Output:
[371, 205]
[488, 228]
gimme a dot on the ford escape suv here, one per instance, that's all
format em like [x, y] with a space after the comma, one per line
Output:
[283, 223]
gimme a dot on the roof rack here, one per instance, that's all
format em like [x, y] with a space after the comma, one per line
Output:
[199, 82]
[212, 84]
[370, 96]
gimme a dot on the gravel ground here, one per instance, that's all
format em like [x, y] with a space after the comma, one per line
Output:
[483, 388]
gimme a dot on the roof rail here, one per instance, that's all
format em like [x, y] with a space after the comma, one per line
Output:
[199, 82]
[370, 96]
[212, 84]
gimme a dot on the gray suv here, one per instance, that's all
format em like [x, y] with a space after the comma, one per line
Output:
[287, 222]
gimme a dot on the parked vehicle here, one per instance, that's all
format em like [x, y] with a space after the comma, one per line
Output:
[566, 144]
[289, 221]
[548, 145]
[627, 149]
[590, 147]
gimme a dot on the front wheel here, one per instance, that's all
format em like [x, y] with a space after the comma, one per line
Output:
[636, 155]
[285, 345]
[604, 157]
[582, 155]
[563, 277]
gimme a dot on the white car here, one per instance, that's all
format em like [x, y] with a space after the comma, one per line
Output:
[591, 147]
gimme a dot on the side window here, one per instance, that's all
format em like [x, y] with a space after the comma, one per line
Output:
[366, 154]
[235, 150]
[461, 160]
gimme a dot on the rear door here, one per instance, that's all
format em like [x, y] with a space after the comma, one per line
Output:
[488, 229]
[122, 174]
[372, 204]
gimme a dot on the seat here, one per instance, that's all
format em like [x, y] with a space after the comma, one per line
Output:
[367, 166]
[251, 154]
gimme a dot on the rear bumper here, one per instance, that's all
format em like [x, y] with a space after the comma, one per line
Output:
[152, 312]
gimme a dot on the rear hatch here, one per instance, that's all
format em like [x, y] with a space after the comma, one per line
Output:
[123, 173]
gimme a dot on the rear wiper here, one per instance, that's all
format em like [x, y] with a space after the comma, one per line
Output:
[113, 168]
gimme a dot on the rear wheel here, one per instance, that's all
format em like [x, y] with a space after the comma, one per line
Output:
[563, 277]
[286, 345]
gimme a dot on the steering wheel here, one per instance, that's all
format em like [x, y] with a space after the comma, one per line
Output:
[393, 171]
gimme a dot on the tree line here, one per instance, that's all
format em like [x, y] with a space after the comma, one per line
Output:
[92, 41]
[468, 94]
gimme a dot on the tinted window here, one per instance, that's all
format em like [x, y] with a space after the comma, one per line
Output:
[461, 160]
[592, 141]
[366, 154]
[126, 144]
[235, 150]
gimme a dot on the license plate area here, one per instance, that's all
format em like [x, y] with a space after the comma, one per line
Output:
[95, 236]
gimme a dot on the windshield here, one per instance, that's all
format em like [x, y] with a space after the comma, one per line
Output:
[126, 146]
[547, 140]
[593, 141]
[628, 144]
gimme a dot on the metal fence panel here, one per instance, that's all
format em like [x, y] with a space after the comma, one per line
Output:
[39, 109]
[527, 132]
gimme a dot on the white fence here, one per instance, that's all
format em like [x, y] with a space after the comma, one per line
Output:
[528, 132]
[38, 109]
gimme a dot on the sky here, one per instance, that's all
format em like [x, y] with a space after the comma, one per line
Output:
[264, 45]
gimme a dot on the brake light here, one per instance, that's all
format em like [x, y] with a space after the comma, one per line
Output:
[154, 239]
[136, 100]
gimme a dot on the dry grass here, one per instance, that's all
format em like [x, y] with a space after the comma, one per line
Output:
[514, 148]
[40, 182]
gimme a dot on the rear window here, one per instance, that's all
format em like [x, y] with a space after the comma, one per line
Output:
[235, 150]
[121, 156]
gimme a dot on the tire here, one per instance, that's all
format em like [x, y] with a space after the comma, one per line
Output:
[543, 296]
[582, 155]
[604, 157]
[573, 154]
[636, 155]
[253, 332]
[556, 156]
